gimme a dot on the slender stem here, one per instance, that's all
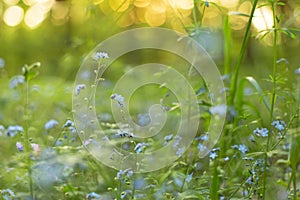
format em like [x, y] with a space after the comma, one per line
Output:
[273, 97]
[26, 138]
[241, 56]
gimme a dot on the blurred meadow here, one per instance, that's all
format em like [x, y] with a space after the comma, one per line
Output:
[255, 45]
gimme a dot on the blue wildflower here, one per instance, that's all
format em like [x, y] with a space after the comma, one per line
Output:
[263, 132]
[189, 177]
[68, 123]
[213, 155]
[100, 55]
[78, 88]
[14, 130]
[279, 125]
[168, 138]
[119, 98]
[226, 158]
[140, 147]
[19, 146]
[93, 195]
[242, 148]
[201, 147]
[297, 71]
[143, 119]
[51, 124]
[180, 151]
[206, 3]
[16, 80]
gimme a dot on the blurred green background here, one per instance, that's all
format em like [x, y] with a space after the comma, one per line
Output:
[60, 33]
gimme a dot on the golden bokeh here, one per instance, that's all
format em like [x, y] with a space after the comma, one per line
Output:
[13, 15]
[141, 3]
[119, 5]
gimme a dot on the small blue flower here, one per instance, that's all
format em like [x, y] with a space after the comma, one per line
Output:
[93, 195]
[100, 55]
[68, 123]
[279, 125]
[213, 155]
[20, 146]
[143, 119]
[119, 98]
[16, 80]
[14, 130]
[206, 3]
[140, 147]
[78, 88]
[226, 158]
[189, 177]
[201, 147]
[168, 138]
[243, 148]
[263, 132]
[180, 151]
[51, 124]
[297, 71]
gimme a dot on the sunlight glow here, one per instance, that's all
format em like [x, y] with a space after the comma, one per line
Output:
[154, 18]
[229, 3]
[34, 16]
[263, 18]
[141, 3]
[119, 5]
[13, 15]
[11, 2]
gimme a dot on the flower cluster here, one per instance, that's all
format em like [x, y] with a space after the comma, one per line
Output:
[100, 55]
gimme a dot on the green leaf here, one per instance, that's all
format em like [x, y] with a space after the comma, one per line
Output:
[239, 14]
[287, 32]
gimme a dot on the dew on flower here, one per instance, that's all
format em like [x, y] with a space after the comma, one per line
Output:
[100, 55]
[279, 124]
[15, 81]
[19, 146]
[14, 130]
[51, 124]
[78, 88]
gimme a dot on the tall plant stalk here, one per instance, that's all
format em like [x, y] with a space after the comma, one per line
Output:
[273, 95]
[233, 86]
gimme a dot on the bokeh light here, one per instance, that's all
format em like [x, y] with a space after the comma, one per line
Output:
[263, 18]
[13, 15]
[11, 2]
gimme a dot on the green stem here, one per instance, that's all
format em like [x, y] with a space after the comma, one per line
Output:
[241, 56]
[273, 97]
[26, 138]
